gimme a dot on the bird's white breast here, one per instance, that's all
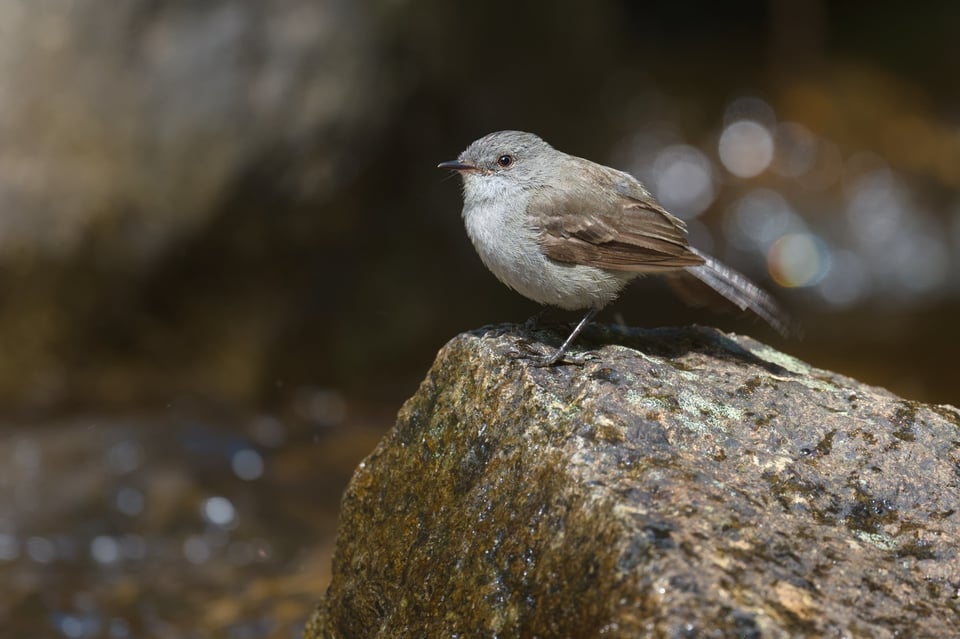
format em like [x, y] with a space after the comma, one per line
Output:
[494, 212]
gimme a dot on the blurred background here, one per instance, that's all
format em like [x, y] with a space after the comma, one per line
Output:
[227, 257]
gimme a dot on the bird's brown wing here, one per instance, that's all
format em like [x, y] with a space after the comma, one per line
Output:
[618, 226]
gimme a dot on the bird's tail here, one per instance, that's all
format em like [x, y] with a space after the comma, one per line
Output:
[743, 293]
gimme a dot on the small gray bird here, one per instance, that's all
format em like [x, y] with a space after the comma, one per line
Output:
[568, 232]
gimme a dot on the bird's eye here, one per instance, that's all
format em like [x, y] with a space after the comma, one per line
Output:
[505, 160]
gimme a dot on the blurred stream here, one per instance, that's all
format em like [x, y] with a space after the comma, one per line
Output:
[172, 525]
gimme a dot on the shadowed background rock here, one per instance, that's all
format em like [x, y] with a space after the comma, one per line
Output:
[684, 483]
[134, 137]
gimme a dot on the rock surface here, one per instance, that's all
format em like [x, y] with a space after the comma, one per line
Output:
[682, 483]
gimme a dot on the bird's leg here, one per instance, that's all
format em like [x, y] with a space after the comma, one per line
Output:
[558, 356]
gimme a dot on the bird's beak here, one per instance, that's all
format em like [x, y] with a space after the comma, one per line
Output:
[456, 165]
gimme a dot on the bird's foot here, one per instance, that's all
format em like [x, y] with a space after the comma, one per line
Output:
[524, 348]
[560, 357]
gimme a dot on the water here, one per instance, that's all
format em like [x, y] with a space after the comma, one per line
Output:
[170, 526]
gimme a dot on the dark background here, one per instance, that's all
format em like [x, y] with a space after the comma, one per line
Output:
[222, 229]
[233, 201]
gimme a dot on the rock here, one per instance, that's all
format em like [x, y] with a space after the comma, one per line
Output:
[136, 119]
[682, 483]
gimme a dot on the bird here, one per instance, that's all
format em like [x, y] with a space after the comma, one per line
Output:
[568, 232]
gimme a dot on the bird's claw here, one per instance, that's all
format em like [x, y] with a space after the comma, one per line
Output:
[557, 359]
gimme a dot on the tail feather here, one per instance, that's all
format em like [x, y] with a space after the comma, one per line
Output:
[743, 293]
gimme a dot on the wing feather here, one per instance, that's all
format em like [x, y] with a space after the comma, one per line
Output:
[617, 227]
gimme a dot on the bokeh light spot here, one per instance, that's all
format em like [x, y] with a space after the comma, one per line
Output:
[683, 180]
[796, 150]
[750, 107]
[323, 406]
[760, 217]
[41, 550]
[876, 208]
[9, 547]
[124, 457]
[746, 148]
[71, 626]
[104, 549]
[130, 501]
[268, 431]
[196, 550]
[922, 262]
[219, 511]
[797, 260]
[247, 464]
[847, 282]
